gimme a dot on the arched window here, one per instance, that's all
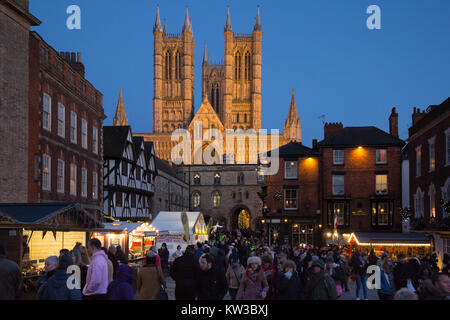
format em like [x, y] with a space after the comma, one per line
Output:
[167, 66]
[245, 118]
[215, 97]
[247, 66]
[216, 199]
[237, 118]
[217, 178]
[432, 195]
[178, 66]
[240, 178]
[237, 66]
[196, 199]
[197, 179]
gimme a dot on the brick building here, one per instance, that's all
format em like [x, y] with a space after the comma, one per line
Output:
[15, 22]
[292, 207]
[429, 172]
[361, 177]
[65, 116]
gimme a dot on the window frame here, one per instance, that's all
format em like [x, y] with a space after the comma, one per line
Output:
[378, 153]
[47, 114]
[419, 161]
[290, 199]
[335, 162]
[73, 127]
[73, 177]
[384, 191]
[334, 185]
[331, 211]
[61, 121]
[194, 195]
[94, 139]
[94, 185]
[432, 154]
[46, 175]
[286, 169]
[84, 133]
[84, 179]
[375, 215]
[60, 178]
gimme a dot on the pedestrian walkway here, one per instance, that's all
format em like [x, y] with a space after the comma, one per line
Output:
[350, 295]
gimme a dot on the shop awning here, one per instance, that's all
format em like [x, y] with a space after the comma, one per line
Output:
[388, 239]
[62, 216]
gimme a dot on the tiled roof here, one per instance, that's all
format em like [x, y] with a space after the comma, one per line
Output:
[360, 136]
[294, 149]
[114, 138]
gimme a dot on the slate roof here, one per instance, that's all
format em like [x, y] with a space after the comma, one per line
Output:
[164, 166]
[295, 149]
[114, 139]
[360, 136]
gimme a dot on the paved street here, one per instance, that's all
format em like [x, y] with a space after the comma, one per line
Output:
[372, 294]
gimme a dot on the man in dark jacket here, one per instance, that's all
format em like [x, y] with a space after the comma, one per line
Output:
[401, 272]
[184, 271]
[11, 284]
[164, 254]
[321, 286]
[56, 287]
[288, 283]
[211, 283]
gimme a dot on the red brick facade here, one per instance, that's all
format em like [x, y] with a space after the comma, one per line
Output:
[429, 128]
[60, 76]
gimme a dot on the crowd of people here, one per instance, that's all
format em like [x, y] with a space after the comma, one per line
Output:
[238, 264]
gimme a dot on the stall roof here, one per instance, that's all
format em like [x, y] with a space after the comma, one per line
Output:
[122, 226]
[53, 215]
[367, 238]
[171, 221]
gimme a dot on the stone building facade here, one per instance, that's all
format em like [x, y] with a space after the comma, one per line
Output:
[227, 193]
[15, 22]
[66, 117]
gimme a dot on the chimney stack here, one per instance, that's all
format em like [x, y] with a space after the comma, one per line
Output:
[393, 123]
[314, 144]
[331, 128]
[417, 115]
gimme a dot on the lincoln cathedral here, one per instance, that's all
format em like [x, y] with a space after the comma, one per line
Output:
[231, 90]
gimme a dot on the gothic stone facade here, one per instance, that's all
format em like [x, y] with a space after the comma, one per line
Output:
[223, 191]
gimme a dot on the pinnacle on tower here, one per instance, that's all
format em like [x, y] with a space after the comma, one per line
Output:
[164, 27]
[187, 27]
[205, 56]
[228, 23]
[120, 119]
[258, 26]
[292, 126]
[157, 26]
[293, 113]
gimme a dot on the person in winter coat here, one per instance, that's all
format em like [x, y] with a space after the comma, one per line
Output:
[254, 284]
[112, 257]
[220, 261]
[359, 266]
[149, 279]
[438, 288]
[345, 268]
[387, 283]
[211, 283]
[269, 272]
[11, 283]
[120, 255]
[372, 259]
[122, 287]
[185, 272]
[178, 253]
[55, 288]
[164, 254]
[288, 286]
[50, 267]
[97, 275]
[321, 286]
[199, 251]
[234, 275]
[336, 272]
[402, 272]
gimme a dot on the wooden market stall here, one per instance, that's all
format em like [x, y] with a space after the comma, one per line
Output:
[135, 238]
[171, 230]
[34, 231]
[410, 244]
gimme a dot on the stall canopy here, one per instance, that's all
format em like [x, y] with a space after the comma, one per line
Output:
[125, 227]
[61, 216]
[388, 239]
[170, 221]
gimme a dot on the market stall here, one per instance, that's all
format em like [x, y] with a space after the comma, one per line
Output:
[410, 244]
[135, 238]
[34, 231]
[171, 230]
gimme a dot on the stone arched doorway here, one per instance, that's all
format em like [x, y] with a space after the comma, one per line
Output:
[241, 218]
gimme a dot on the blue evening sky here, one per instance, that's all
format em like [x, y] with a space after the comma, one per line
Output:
[321, 48]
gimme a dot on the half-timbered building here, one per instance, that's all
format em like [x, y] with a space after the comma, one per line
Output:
[128, 175]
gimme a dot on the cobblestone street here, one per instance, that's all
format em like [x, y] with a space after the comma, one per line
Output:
[350, 295]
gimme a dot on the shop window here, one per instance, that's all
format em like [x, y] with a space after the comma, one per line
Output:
[382, 213]
[340, 210]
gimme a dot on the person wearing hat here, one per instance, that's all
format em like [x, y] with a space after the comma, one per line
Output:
[321, 286]
[164, 255]
[288, 286]
[56, 288]
[11, 283]
[336, 272]
[254, 285]
[149, 278]
[234, 275]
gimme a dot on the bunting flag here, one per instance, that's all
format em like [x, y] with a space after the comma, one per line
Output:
[185, 223]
